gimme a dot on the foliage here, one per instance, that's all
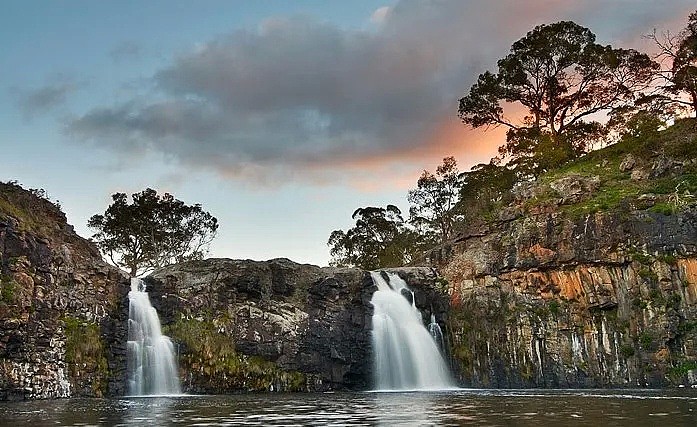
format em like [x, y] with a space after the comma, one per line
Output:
[641, 131]
[678, 372]
[379, 239]
[677, 54]
[153, 231]
[85, 353]
[627, 351]
[562, 77]
[433, 200]
[211, 354]
[7, 289]
[483, 187]
[32, 208]
[554, 307]
[648, 274]
[647, 340]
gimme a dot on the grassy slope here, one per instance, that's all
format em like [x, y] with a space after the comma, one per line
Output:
[677, 143]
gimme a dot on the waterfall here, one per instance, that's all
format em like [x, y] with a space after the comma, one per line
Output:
[436, 333]
[152, 367]
[406, 357]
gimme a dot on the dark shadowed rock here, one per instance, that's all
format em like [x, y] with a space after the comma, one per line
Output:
[306, 319]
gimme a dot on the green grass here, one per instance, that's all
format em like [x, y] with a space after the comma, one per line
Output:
[616, 187]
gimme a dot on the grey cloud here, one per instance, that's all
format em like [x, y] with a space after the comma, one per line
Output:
[298, 92]
[44, 99]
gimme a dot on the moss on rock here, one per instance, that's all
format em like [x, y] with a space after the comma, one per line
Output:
[210, 354]
[85, 357]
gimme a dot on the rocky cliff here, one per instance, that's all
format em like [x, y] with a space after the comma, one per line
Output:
[63, 311]
[275, 325]
[586, 277]
[238, 325]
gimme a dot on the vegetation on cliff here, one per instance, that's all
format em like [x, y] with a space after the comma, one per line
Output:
[85, 356]
[62, 312]
[572, 257]
[152, 231]
[32, 208]
[577, 96]
[210, 364]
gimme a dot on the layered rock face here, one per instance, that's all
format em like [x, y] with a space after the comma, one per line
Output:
[63, 311]
[553, 300]
[275, 325]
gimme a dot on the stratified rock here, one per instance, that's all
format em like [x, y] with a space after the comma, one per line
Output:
[63, 311]
[550, 300]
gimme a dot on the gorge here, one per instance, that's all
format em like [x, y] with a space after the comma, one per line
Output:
[534, 300]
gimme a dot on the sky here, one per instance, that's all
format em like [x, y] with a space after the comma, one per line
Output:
[279, 117]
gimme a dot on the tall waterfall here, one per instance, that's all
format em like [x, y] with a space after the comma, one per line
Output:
[152, 367]
[406, 355]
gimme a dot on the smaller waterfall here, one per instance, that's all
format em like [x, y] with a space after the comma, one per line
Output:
[436, 333]
[152, 367]
[406, 355]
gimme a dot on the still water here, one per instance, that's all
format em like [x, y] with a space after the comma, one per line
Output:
[476, 407]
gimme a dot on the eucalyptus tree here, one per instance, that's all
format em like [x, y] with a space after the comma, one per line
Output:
[563, 80]
[433, 201]
[677, 54]
[380, 238]
[152, 231]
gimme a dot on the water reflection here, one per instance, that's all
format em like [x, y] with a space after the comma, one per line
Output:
[500, 407]
[394, 409]
[147, 410]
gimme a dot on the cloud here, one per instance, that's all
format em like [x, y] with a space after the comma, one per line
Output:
[44, 99]
[380, 15]
[297, 94]
[127, 50]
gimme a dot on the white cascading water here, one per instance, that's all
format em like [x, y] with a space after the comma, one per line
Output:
[436, 333]
[152, 366]
[406, 356]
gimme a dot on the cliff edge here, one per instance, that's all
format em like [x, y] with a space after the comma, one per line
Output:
[586, 277]
[63, 311]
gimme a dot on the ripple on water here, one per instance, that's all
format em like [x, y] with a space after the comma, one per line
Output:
[520, 407]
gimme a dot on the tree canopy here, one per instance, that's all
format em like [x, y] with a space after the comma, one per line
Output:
[152, 231]
[678, 55]
[433, 200]
[379, 239]
[563, 79]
